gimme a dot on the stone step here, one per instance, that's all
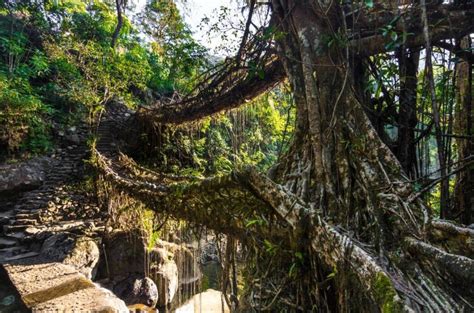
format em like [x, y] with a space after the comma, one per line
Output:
[14, 228]
[7, 242]
[37, 194]
[35, 203]
[25, 221]
[25, 206]
[27, 215]
[12, 251]
[7, 214]
[17, 236]
[21, 256]
[26, 211]
[59, 288]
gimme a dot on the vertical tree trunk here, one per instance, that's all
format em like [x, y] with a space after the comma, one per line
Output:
[407, 120]
[115, 35]
[464, 190]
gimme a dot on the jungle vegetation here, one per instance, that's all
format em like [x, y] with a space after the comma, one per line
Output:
[335, 146]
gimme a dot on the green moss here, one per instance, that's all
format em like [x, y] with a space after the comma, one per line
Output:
[385, 294]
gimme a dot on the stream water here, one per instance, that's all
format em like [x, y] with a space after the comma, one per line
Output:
[210, 299]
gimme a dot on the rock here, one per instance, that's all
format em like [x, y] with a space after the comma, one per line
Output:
[209, 253]
[7, 301]
[55, 287]
[24, 176]
[73, 138]
[185, 260]
[4, 220]
[165, 275]
[211, 300]
[169, 264]
[137, 289]
[7, 243]
[125, 253]
[98, 300]
[80, 252]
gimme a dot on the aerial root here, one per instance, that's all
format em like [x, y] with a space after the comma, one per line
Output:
[459, 266]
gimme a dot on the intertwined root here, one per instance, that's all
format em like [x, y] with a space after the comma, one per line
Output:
[229, 204]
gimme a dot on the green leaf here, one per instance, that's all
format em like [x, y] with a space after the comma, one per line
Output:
[299, 256]
[252, 222]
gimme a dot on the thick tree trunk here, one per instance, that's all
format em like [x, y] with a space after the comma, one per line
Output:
[354, 180]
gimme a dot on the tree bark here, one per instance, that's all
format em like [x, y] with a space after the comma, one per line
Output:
[407, 120]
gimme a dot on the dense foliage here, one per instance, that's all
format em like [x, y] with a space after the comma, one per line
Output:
[57, 63]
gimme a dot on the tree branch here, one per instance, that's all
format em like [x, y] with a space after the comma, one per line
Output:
[446, 22]
[118, 5]
[248, 85]
[463, 54]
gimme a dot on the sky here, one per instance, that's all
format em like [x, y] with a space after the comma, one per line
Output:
[194, 11]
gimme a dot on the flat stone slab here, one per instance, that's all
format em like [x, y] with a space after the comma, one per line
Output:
[56, 287]
[92, 299]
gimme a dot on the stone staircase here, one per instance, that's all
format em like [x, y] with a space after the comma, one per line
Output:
[111, 124]
[31, 208]
[53, 206]
[58, 205]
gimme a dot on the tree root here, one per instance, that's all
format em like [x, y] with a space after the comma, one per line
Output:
[455, 239]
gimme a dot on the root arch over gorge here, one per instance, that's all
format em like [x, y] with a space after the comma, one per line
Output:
[339, 201]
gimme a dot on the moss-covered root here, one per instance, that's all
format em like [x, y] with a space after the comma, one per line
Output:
[385, 294]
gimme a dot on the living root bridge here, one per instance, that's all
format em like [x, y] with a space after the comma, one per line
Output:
[236, 82]
[227, 203]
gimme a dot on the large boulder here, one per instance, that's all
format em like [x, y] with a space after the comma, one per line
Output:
[56, 287]
[79, 251]
[136, 289]
[185, 259]
[23, 176]
[209, 252]
[125, 253]
[164, 272]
